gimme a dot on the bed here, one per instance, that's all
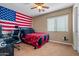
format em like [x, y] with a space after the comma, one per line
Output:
[36, 39]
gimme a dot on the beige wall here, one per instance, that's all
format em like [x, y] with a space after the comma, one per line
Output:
[40, 24]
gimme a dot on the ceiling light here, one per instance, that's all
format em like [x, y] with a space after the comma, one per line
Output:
[40, 6]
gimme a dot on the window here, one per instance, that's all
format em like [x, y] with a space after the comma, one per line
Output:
[59, 23]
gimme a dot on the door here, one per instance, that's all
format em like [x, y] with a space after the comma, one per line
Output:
[76, 27]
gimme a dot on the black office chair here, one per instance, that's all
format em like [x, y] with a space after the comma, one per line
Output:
[16, 34]
[15, 38]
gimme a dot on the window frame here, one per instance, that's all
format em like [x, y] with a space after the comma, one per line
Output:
[55, 25]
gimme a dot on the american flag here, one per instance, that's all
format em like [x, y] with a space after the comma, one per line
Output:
[10, 18]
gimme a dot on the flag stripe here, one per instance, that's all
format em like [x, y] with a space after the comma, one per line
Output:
[23, 17]
[13, 23]
[23, 22]
[18, 18]
[19, 15]
[23, 14]
[7, 30]
[5, 26]
[2, 22]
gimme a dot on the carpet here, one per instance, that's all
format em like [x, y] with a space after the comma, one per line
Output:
[48, 49]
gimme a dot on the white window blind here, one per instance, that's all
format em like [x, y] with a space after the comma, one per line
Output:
[51, 24]
[59, 23]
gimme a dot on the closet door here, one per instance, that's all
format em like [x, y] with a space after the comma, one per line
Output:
[78, 29]
[75, 27]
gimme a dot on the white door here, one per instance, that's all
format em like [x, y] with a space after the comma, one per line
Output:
[76, 27]
[78, 30]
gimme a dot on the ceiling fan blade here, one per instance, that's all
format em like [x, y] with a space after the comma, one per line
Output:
[33, 7]
[45, 7]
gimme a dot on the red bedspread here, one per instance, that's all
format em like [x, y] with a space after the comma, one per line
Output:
[34, 38]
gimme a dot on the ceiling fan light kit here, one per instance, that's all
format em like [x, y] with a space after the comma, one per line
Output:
[40, 6]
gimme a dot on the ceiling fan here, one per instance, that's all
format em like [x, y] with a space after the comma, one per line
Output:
[40, 6]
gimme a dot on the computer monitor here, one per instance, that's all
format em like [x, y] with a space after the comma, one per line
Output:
[0, 30]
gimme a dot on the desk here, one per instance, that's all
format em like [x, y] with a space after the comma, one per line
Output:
[8, 50]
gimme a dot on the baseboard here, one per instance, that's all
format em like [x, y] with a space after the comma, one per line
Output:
[61, 42]
[74, 47]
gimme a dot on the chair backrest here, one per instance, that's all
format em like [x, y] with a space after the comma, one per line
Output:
[16, 32]
[16, 35]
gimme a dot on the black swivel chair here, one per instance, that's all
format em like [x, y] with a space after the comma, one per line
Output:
[16, 34]
[15, 38]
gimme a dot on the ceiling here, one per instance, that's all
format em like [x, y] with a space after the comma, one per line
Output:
[26, 7]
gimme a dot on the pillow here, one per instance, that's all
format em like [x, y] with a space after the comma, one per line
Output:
[27, 30]
[31, 30]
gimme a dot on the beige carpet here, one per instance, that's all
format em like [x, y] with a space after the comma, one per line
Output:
[48, 49]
